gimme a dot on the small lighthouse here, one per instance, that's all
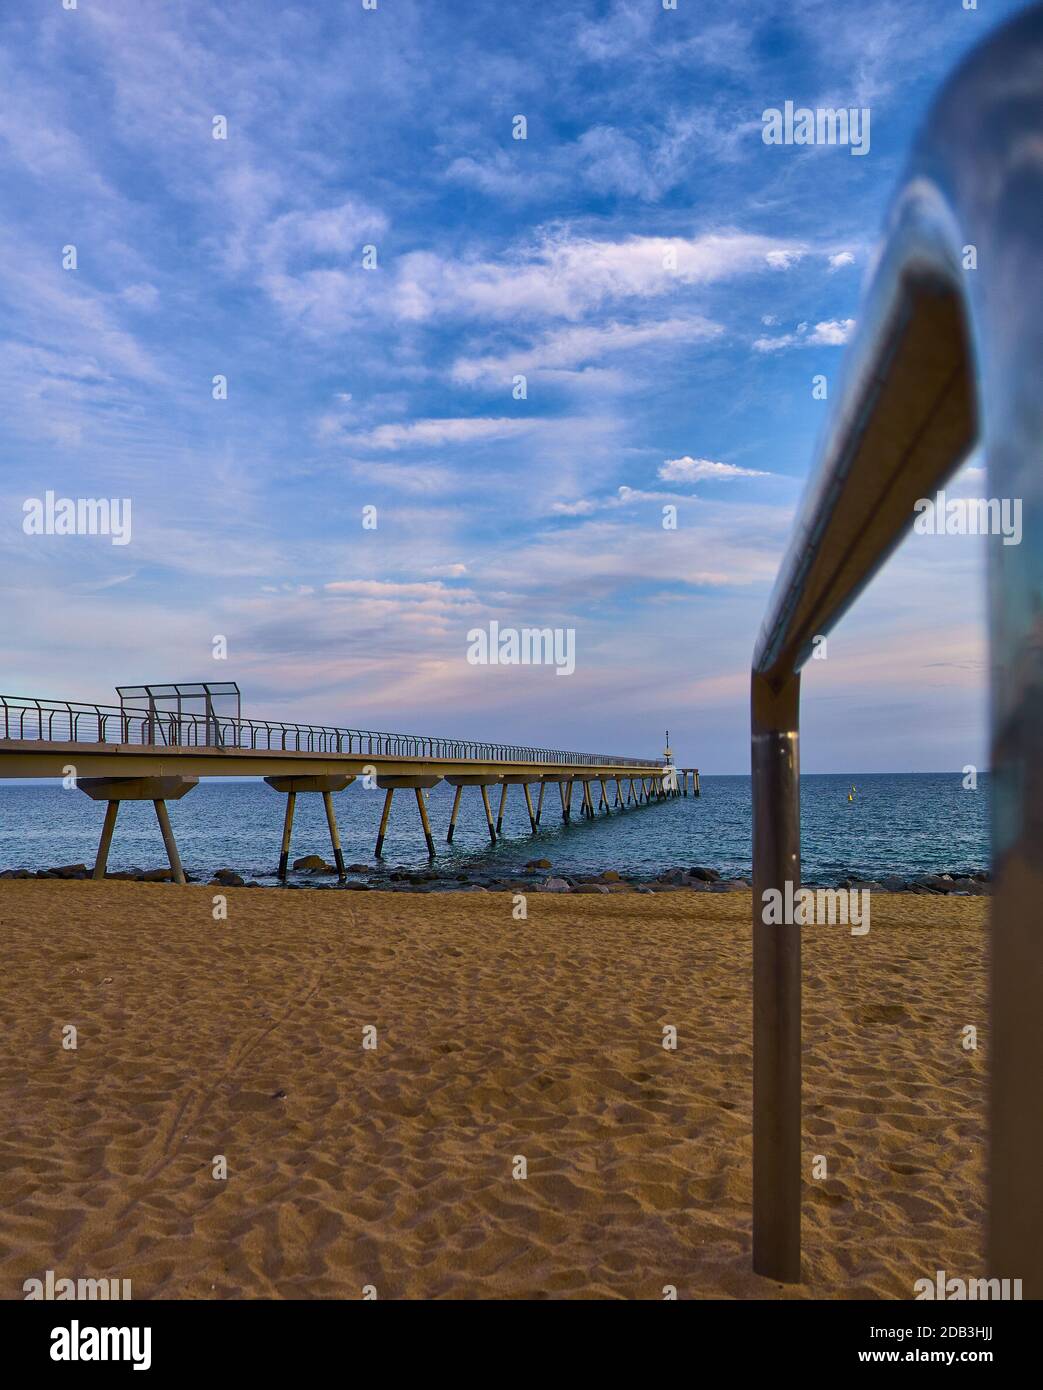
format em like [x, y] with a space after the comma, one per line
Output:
[669, 771]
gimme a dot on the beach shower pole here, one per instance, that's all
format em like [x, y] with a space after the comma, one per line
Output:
[775, 711]
[108, 826]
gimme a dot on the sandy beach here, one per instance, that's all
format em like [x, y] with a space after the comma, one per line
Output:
[495, 1038]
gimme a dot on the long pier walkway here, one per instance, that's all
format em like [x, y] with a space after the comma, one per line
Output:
[157, 743]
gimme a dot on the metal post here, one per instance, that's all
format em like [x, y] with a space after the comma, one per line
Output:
[168, 840]
[776, 982]
[287, 827]
[108, 826]
[388, 797]
[331, 821]
[425, 822]
[452, 817]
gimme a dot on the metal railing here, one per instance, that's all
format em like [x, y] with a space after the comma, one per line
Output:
[949, 350]
[66, 721]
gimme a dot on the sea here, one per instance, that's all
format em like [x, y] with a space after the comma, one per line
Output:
[852, 825]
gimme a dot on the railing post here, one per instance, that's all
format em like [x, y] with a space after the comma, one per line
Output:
[775, 712]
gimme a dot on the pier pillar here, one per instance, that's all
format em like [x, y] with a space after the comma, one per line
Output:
[452, 818]
[483, 781]
[695, 781]
[539, 802]
[384, 817]
[528, 805]
[158, 790]
[326, 785]
[108, 826]
[499, 813]
[421, 807]
[418, 782]
[287, 832]
[488, 814]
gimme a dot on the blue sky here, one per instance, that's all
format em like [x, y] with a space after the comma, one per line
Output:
[551, 257]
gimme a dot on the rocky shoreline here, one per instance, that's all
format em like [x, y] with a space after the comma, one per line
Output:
[537, 875]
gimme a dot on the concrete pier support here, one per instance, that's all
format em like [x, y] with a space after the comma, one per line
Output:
[422, 808]
[108, 826]
[420, 783]
[539, 802]
[385, 815]
[483, 781]
[499, 812]
[452, 818]
[326, 786]
[528, 805]
[488, 814]
[158, 790]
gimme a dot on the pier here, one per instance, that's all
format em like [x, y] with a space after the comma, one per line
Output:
[160, 739]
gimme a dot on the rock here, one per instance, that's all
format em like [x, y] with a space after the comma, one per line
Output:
[155, 876]
[358, 868]
[17, 873]
[936, 883]
[357, 887]
[705, 875]
[610, 876]
[672, 876]
[893, 883]
[70, 871]
[557, 885]
[590, 888]
[228, 878]
[649, 891]
[311, 863]
[538, 864]
[43, 873]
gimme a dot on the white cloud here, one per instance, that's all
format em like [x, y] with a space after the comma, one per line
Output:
[433, 433]
[689, 470]
[840, 259]
[829, 333]
[566, 277]
[569, 348]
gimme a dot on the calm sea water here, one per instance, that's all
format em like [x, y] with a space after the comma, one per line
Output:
[897, 823]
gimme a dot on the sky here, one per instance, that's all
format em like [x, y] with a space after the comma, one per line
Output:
[370, 259]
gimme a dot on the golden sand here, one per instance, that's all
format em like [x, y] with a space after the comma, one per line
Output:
[496, 1038]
